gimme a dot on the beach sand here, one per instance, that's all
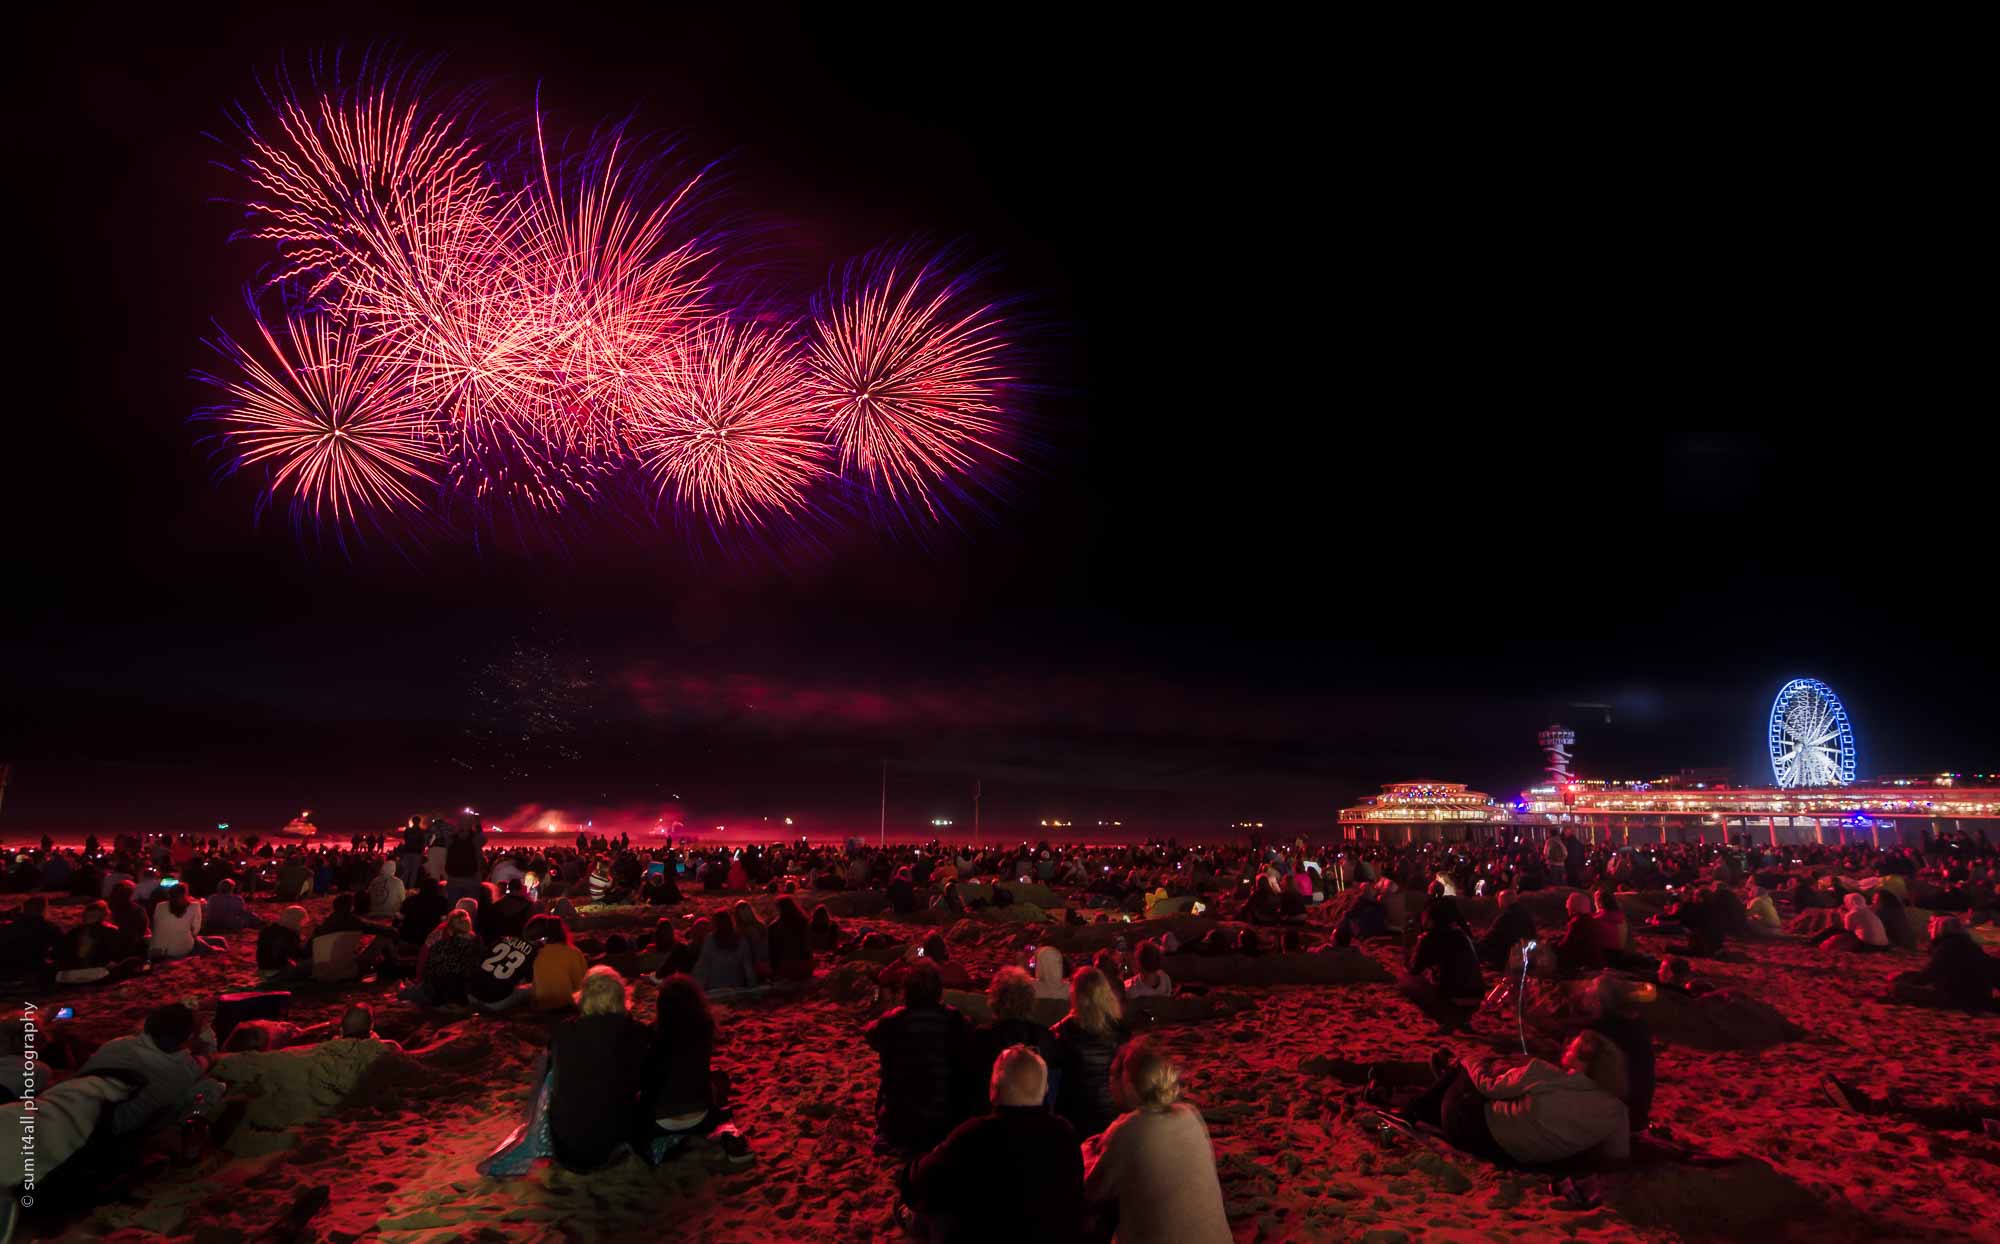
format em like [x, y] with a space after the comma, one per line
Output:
[342, 1147]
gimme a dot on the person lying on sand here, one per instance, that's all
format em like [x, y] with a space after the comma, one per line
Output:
[173, 1059]
[1959, 974]
[356, 1023]
[1019, 1148]
[1969, 1117]
[1532, 1113]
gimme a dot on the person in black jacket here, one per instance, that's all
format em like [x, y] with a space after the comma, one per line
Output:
[681, 1096]
[1087, 1043]
[922, 1045]
[28, 944]
[599, 1060]
[1028, 1155]
[1512, 925]
[1443, 978]
[903, 892]
[421, 912]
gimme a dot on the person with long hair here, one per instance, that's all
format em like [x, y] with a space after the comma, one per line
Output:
[1156, 1163]
[1087, 1042]
[680, 1091]
[791, 946]
[825, 930]
[725, 959]
[753, 932]
[588, 1094]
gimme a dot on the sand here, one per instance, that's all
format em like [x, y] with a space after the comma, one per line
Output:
[392, 1138]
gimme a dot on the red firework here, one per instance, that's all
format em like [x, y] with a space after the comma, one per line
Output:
[739, 439]
[325, 414]
[905, 370]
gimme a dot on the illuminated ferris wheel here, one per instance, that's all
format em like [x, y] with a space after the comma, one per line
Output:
[1812, 743]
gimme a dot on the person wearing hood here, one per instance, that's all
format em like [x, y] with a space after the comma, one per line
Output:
[1861, 929]
[1049, 980]
[386, 891]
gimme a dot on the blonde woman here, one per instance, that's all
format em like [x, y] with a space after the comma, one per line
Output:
[1086, 1041]
[597, 1060]
[1156, 1163]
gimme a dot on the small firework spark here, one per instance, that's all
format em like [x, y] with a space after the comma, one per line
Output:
[738, 439]
[320, 411]
[905, 369]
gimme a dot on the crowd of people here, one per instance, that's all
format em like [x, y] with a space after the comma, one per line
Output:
[1085, 1108]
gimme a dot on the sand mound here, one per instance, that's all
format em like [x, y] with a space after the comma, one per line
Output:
[1731, 1201]
[1023, 891]
[1072, 938]
[287, 1089]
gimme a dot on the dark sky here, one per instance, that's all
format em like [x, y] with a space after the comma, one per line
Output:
[1402, 396]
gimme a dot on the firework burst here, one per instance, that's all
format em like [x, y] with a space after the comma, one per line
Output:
[738, 439]
[320, 411]
[905, 368]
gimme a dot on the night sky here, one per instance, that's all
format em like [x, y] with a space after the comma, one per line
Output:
[1398, 401]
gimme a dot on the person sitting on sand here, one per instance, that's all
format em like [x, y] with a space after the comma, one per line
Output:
[1895, 919]
[376, 937]
[1011, 995]
[559, 966]
[227, 912]
[680, 1091]
[177, 923]
[755, 935]
[1512, 926]
[448, 962]
[1531, 1112]
[504, 978]
[281, 948]
[130, 930]
[1861, 929]
[790, 941]
[596, 1060]
[921, 1044]
[88, 953]
[28, 944]
[1443, 977]
[1369, 917]
[725, 960]
[826, 935]
[1018, 1147]
[386, 892]
[1049, 979]
[1087, 1040]
[421, 911]
[1579, 952]
[1959, 975]
[1762, 912]
[1151, 980]
[1156, 1163]
[1702, 921]
[1621, 1017]
[172, 1059]
[676, 957]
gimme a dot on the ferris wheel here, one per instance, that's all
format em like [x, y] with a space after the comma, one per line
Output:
[1812, 743]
